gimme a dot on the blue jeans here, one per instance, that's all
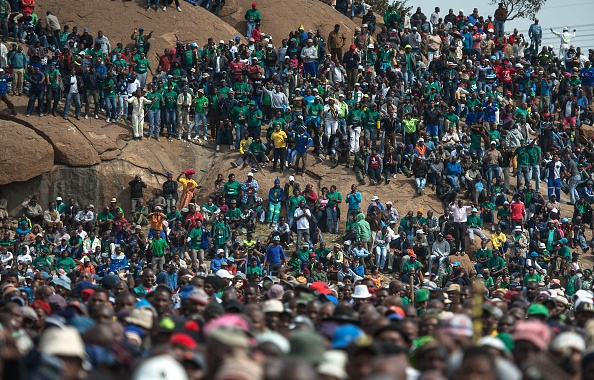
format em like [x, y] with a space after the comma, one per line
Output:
[342, 126]
[380, 256]
[420, 182]
[239, 133]
[332, 217]
[439, 263]
[154, 116]
[35, 96]
[535, 175]
[499, 25]
[505, 225]
[171, 122]
[356, 9]
[110, 108]
[573, 193]
[122, 107]
[69, 99]
[490, 170]
[408, 79]
[555, 187]
[478, 151]
[269, 71]
[200, 116]
[148, 3]
[250, 27]
[453, 179]
[523, 175]
[152, 232]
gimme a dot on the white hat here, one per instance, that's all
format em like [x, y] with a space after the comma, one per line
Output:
[62, 342]
[221, 42]
[421, 139]
[287, 57]
[420, 232]
[220, 250]
[491, 341]
[554, 210]
[565, 29]
[275, 338]
[370, 46]
[57, 198]
[160, 367]
[142, 317]
[291, 178]
[333, 364]
[273, 306]
[361, 291]
[223, 273]
[506, 203]
[518, 229]
[364, 26]
[374, 198]
[250, 174]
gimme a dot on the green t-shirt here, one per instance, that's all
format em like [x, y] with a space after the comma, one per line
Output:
[355, 117]
[232, 188]
[494, 135]
[142, 66]
[496, 263]
[528, 278]
[238, 114]
[158, 247]
[254, 118]
[170, 100]
[54, 78]
[533, 153]
[474, 221]
[483, 254]
[521, 113]
[109, 88]
[475, 140]
[196, 238]
[103, 216]
[252, 15]
[522, 153]
[200, 103]
[333, 197]
[409, 264]
[315, 110]
[371, 119]
[156, 99]
[233, 214]
[67, 264]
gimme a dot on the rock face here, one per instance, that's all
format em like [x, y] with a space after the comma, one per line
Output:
[192, 24]
[279, 17]
[25, 154]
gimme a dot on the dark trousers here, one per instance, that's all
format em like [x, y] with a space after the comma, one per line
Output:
[279, 154]
[459, 235]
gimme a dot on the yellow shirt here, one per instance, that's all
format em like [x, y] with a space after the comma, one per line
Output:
[279, 139]
[186, 181]
[498, 239]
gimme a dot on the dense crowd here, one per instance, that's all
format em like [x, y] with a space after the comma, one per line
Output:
[277, 278]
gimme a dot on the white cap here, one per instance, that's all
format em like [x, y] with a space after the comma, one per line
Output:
[221, 42]
[506, 203]
[223, 273]
[62, 342]
[364, 26]
[291, 178]
[160, 367]
[554, 210]
[287, 57]
[269, 45]
[250, 174]
[420, 232]
[374, 198]
[57, 198]
[370, 46]
[518, 229]
[421, 139]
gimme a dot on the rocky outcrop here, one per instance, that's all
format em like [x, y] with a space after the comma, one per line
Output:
[279, 17]
[25, 154]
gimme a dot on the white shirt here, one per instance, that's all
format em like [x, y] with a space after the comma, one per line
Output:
[303, 223]
[73, 85]
[460, 213]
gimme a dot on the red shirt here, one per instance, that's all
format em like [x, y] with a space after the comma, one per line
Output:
[517, 210]
[192, 218]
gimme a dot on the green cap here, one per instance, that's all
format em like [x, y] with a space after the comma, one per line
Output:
[422, 295]
[537, 309]
[252, 103]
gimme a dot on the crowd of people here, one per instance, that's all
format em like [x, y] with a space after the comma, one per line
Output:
[272, 278]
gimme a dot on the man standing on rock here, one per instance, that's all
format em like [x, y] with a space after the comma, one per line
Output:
[136, 186]
[336, 41]
[253, 17]
[4, 91]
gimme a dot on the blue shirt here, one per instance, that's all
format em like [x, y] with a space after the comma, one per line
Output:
[453, 168]
[275, 254]
[3, 86]
[354, 200]
[217, 263]
[302, 142]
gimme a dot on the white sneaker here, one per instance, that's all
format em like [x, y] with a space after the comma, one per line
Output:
[86, 116]
[164, 9]
[231, 148]
[218, 148]
[178, 9]
[394, 176]
[96, 117]
[107, 120]
[179, 138]
[205, 138]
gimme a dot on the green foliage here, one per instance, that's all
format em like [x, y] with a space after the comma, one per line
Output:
[520, 8]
